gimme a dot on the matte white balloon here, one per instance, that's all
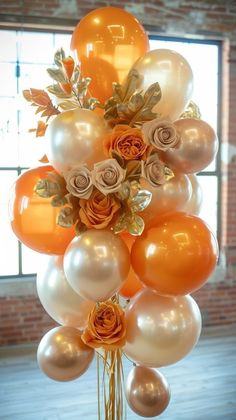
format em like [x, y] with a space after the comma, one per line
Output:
[58, 298]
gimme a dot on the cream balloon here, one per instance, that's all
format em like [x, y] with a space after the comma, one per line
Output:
[197, 148]
[62, 355]
[171, 196]
[147, 391]
[193, 206]
[175, 77]
[75, 137]
[58, 298]
[96, 263]
[161, 330]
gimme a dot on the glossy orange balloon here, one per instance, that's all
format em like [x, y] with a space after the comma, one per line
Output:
[176, 256]
[107, 42]
[33, 219]
[132, 284]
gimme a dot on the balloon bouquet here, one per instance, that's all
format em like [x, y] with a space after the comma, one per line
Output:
[115, 206]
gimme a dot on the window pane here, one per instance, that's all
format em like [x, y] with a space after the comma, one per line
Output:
[30, 260]
[8, 45]
[8, 85]
[62, 41]
[34, 76]
[205, 93]
[36, 47]
[209, 203]
[8, 241]
[8, 132]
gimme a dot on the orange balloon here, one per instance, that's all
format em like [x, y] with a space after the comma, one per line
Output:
[176, 256]
[33, 219]
[132, 284]
[107, 42]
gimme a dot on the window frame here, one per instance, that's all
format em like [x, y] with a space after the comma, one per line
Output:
[153, 36]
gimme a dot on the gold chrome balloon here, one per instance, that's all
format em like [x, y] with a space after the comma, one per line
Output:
[161, 330]
[197, 147]
[147, 391]
[58, 298]
[96, 263]
[62, 355]
[75, 137]
[175, 77]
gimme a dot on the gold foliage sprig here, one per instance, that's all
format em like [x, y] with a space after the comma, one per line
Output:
[134, 200]
[69, 85]
[127, 106]
[192, 111]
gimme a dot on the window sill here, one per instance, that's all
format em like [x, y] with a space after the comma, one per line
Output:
[20, 286]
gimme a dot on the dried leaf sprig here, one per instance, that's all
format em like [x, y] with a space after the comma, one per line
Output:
[127, 106]
[44, 106]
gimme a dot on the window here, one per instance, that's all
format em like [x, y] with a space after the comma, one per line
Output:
[24, 57]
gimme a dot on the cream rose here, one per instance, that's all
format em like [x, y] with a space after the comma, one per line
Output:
[107, 176]
[154, 170]
[79, 182]
[161, 134]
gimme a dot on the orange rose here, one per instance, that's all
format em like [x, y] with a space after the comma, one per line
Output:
[106, 327]
[126, 141]
[99, 211]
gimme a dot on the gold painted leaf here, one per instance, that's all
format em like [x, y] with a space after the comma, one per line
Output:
[68, 105]
[136, 225]
[169, 174]
[59, 56]
[57, 74]
[67, 217]
[57, 91]
[58, 201]
[140, 201]
[192, 111]
[46, 188]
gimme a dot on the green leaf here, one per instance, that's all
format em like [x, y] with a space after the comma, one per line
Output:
[59, 56]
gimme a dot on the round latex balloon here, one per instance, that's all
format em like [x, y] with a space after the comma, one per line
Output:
[175, 77]
[33, 218]
[161, 330]
[176, 256]
[58, 298]
[197, 147]
[132, 284]
[193, 206]
[96, 264]
[166, 198]
[147, 391]
[75, 137]
[107, 42]
[62, 355]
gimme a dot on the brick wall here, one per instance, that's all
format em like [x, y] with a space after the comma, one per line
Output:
[22, 319]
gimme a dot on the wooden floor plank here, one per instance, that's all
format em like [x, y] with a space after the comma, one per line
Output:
[203, 386]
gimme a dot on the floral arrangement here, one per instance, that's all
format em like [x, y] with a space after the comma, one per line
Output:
[114, 205]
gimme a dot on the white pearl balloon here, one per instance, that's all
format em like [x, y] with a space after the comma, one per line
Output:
[75, 137]
[58, 298]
